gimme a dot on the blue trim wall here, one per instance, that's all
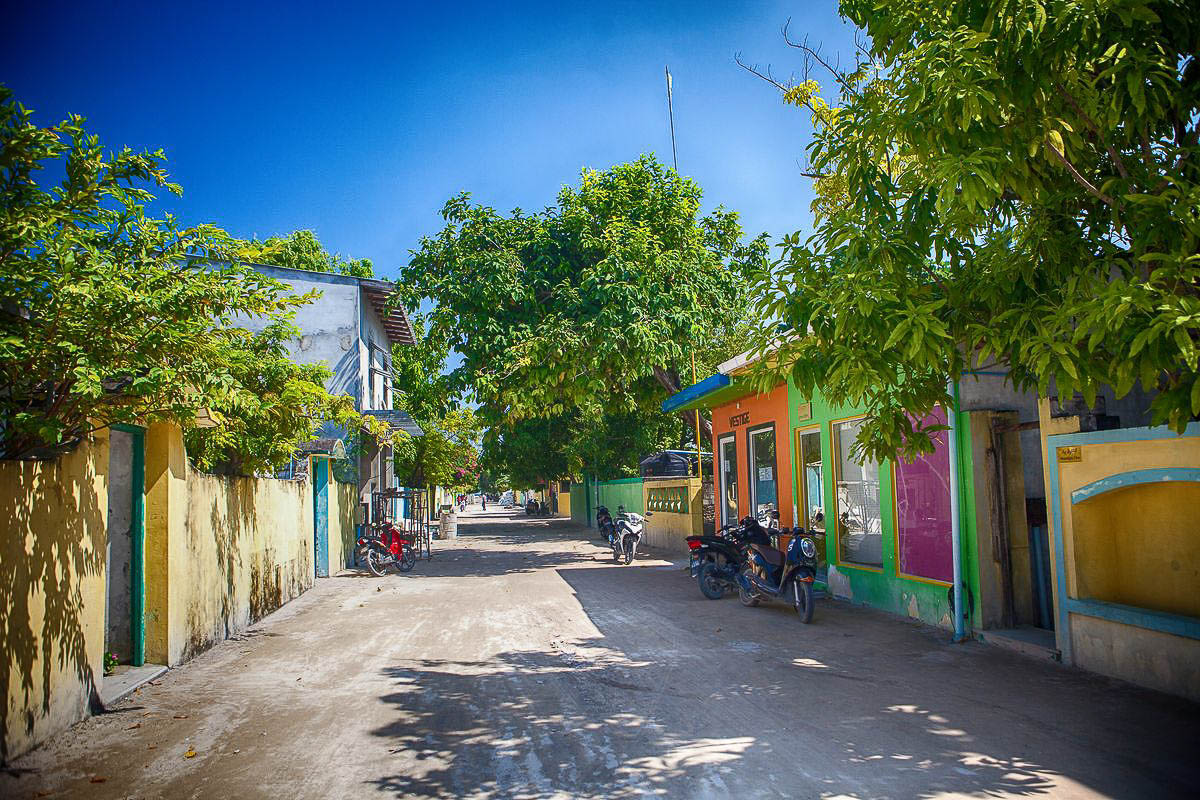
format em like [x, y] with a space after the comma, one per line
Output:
[1144, 618]
[1133, 478]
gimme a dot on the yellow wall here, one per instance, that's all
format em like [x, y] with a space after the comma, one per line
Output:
[674, 512]
[52, 596]
[343, 516]
[1139, 547]
[1135, 546]
[249, 545]
[1153, 525]
[221, 552]
[564, 504]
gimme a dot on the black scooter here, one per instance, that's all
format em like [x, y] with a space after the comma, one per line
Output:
[605, 527]
[787, 577]
[716, 560]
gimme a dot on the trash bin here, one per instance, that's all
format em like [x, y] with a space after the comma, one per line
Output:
[449, 526]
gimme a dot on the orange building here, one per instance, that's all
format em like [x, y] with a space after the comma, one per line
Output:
[755, 473]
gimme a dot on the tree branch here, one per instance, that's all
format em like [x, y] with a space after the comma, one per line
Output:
[1082, 181]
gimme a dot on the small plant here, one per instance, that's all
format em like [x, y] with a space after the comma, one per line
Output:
[110, 663]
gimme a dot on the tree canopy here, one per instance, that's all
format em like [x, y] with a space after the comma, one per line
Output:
[106, 315]
[301, 250]
[998, 183]
[272, 406]
[593, 305]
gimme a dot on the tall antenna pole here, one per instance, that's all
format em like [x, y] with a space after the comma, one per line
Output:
[671, 114]
[675, 162]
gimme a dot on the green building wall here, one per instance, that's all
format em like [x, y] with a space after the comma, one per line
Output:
[885, 588]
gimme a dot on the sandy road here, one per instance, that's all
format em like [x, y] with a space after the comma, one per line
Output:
[521, 663]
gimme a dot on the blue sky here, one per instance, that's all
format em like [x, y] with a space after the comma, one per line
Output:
[359, 120]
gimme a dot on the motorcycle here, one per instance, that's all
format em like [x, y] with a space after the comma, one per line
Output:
[389, 547]
[531, 508]
[788, 577]
[715, 561]
[627, 534]
[604, 524]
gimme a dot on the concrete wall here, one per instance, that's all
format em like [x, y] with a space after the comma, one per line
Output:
[371, 330]
[52, 558]
[220, 553]
[1126, 550]
[674, 512]
[329, 327]
[119, 549]
[250, 550]
[343, 519]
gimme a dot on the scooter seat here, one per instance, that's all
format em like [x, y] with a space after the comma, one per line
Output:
[769, 554]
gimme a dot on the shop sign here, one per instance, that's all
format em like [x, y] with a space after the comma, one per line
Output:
[739, 419]
[803, 412]
[1069, 455]
[764, 474]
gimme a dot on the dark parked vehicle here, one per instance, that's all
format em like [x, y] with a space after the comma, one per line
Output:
[673, 463]
[604, 524]
[788, 577]
[717, 560]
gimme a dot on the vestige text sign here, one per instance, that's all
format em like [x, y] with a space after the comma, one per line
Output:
[739, 419]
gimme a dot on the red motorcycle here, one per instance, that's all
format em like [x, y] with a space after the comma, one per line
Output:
[388, 547]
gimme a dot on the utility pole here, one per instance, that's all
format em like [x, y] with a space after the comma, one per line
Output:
[671, 115]
[675, 163]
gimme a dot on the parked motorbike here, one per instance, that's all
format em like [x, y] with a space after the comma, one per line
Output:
[387, 548]
[627, 535]
[604, 524]
[787, 577]
[716, 560]
[531, 508]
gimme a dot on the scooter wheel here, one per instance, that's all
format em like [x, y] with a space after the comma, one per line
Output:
[802, 600]
[711, 586]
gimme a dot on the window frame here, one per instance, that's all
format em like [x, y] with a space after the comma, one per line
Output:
[752, 476]
[836, 461]
[722, 440]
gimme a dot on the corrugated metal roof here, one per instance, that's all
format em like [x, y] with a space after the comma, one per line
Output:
[395, 321]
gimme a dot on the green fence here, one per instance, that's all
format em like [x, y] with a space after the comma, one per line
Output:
[579, 503]
[621, 492]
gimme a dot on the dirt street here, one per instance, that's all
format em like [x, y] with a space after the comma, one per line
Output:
[521, 662]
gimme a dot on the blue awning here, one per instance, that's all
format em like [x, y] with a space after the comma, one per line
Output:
[695, 392]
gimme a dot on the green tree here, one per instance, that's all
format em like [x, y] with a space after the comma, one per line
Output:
[999, 183]
[574, 307]
[271, 407]
[105, 315]
[446, 455]
[302, 250]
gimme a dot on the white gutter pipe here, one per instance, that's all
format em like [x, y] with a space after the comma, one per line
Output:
[955, 532]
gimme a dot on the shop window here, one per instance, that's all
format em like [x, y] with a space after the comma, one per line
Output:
[729, 480]
[859, 522]
[923, 525]
[812, 482]
[764, 481]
